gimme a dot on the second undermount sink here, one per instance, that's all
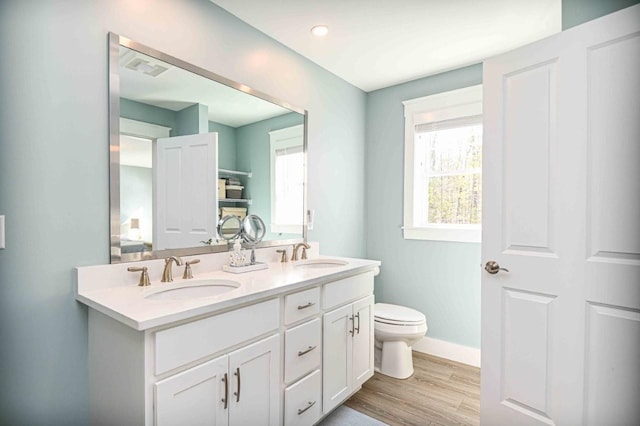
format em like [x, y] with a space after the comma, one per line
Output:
[193, 290]
[321, 263]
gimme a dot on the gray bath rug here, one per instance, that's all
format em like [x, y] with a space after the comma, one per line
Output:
[345, 416]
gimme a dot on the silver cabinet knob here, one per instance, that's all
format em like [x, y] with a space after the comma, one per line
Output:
[492, 267]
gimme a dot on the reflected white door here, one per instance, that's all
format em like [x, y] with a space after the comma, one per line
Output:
[185, 192]
[561, 211]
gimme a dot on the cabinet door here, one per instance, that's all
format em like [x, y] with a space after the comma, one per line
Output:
[193, 397]
[336, 351]
[362, 341]
[254, 372]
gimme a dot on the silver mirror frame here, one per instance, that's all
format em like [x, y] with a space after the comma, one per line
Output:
[116, 255]
[247, 225]
[223, 222]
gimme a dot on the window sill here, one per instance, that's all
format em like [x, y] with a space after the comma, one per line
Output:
[286, 229]
[437, 233]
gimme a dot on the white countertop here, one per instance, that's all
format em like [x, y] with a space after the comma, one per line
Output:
[119, 297]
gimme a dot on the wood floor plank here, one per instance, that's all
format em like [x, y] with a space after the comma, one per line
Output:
[440, 393]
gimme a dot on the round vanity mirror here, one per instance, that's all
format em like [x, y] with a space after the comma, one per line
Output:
[253, 229]
[229, 227]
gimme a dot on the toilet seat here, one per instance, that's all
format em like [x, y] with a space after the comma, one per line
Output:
[386, 313]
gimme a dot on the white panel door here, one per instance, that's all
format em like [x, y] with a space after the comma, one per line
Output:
[363, 345]
[336, 357]
[255, 384]
[185, 204]
[194, 397]
[561, 204]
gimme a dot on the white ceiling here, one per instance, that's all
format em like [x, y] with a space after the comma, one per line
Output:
[176, 89]
[379, 43]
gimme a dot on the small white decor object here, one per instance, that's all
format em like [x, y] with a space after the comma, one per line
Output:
[237, 256]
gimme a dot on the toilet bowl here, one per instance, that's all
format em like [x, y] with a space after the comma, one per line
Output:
[396, 329]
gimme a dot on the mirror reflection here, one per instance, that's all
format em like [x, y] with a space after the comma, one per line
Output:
[194, 151]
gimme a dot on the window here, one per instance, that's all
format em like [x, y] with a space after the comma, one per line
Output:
[443, 166]
[287, 180]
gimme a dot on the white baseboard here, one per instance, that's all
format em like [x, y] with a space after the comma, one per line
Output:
[448, 350]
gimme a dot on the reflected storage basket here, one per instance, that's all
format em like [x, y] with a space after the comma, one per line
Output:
[234, 191]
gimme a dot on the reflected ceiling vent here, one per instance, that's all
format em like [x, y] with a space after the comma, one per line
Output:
[145, 67]
[142, 63]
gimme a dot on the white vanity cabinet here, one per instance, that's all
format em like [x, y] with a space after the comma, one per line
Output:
[237, 389]
[224, 369]
[348, 344]
[286, 354]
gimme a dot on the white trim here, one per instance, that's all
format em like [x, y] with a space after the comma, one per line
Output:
[452, 351]
[461, 234]
[440, 107]
[143, 129]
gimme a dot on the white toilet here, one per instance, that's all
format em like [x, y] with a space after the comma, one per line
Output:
[397, 328]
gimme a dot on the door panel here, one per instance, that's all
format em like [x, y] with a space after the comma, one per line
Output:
[363, 347]
[525, 351]
[529, 136]
[255, 383]
[560, 330]
[612, 375]
[336, 351]
[193, 397]
[184, 184]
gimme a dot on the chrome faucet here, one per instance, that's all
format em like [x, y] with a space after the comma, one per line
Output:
[305, 247]
[167, 274]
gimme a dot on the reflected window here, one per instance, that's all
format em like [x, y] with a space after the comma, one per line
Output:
[287, 180]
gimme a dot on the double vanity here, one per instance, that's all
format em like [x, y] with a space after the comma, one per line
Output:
[283, 345]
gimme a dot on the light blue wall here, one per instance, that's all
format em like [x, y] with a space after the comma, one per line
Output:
[54, 185]
[254, 154]
[137, 196]
[192, 120]
[227, 149]
[149, 114]
[576, 12]
[441, 279]
[164, 117]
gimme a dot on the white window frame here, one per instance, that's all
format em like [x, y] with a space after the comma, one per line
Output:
[280, 139]
[452, 105]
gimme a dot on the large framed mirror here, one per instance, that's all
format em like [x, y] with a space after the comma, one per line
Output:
[189, 147]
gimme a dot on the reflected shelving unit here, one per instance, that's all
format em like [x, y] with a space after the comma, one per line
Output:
[227, 173]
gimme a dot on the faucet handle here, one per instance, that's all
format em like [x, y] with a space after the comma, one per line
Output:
[283, 258]
[187, 269]
[144, 277]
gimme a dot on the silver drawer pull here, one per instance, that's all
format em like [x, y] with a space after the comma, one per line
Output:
[302, 410]
[226, 391]
[300, 353]
[300, 307]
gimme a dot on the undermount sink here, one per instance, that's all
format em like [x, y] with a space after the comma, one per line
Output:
[193, 290]
[321, 263]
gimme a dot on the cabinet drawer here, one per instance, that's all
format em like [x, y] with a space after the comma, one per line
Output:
[347, 290]
[189, 342]
[302, 401]
[301, 305]
[302, 350]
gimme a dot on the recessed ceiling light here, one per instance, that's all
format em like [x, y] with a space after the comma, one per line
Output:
[320, 30]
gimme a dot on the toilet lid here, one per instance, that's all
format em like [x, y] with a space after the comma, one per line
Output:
[394, 314]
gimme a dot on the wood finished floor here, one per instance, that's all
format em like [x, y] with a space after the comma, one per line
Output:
[440, 393]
